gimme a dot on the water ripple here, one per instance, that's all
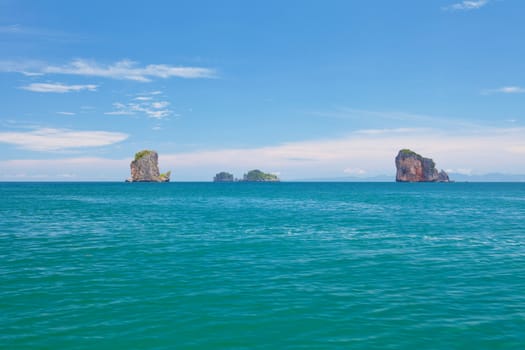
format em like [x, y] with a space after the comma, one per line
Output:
[432, 266]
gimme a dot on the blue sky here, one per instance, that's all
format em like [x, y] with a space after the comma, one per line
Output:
[303, 89]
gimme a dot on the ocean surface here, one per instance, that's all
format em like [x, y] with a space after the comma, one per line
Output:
[262, 266]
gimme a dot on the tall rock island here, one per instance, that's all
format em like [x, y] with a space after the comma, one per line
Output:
[145, 168]
[412, 167]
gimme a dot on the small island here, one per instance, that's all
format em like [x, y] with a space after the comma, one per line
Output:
[251, 176]
[145, 168]
[223, 176]
[412, 167]
[259, 176]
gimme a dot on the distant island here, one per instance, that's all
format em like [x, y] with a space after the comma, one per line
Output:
[145, 168]
[223, 176]
[255, 175]
[412, 167]
[259, 176]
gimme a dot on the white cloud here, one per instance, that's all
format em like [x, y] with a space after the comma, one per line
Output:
[152, 109]
[120, 109]
[157, 114]
[66, 113]
[512, 90]
[119, 112]
[58, 87]
[47, 139]
[477, 150]
[467, 5]
[147, 96]
[159, 105]
[505, 90]
[31, 74]
[124, 69]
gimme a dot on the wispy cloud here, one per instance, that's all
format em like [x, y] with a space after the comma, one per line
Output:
[66, 113]
[388, 121]
[48, 139]
[20, 31]
[124, 69]
[143, 98]
[156, 110]
[120, 109]
[466, 5]
[58, 87]
[505, 90]
[148, 105]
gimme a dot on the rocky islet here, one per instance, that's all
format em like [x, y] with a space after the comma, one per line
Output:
[145, 168]
[412, 167]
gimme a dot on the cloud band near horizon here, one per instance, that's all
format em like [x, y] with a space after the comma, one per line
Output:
[122, 70]
[370, 153]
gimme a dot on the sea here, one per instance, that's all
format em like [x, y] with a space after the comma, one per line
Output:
[262, 265]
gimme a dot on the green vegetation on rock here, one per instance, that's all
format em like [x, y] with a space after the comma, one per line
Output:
[165, 176]
[408, 152]
[142, 153]
[257, 176]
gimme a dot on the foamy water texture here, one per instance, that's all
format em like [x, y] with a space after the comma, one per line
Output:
[259, 266]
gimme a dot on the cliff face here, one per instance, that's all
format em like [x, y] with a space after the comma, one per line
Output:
[145, 168]
[412, 167]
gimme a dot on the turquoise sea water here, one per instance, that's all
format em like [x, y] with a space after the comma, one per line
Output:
[258, 266]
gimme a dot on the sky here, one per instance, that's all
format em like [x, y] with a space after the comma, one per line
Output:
[302, 89]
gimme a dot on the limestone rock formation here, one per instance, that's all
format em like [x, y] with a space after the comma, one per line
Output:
[145, 168]
[412, 167]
